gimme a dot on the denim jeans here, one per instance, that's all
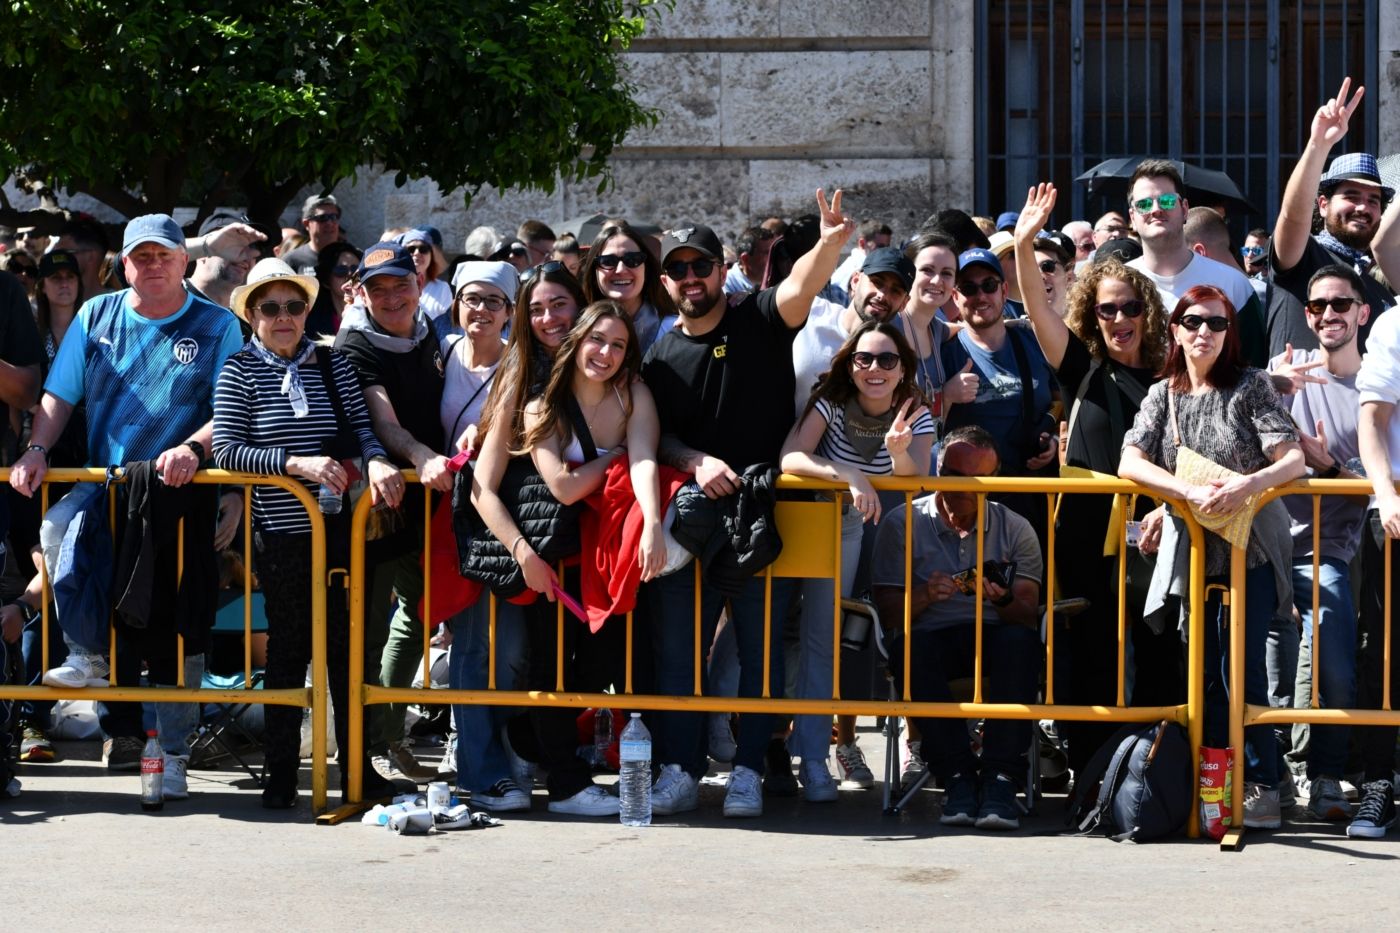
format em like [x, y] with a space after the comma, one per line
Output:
[1261, 598]
[1336, 680]
[40, 712]
[51, 530]
[481, 758]
[669, 604]
[173, 722]
[1011, 662]
[811, 735]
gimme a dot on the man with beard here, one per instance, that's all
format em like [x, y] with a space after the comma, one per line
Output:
[723, 383]
[1327, 399]
[1349, 201]
[216, 276]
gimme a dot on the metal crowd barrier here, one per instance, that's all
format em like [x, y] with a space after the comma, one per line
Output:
[811, 532]
[313, 697]
[1244, 714]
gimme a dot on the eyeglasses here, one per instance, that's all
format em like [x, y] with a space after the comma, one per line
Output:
[676, 271]
[988, 285]
[519, 251]
[30, 235]
[1193, 322]
[324, 218]
[1166, 202]
[420, 248]
[554, 265]
[294, 308]
[343, 272]
[631, 259]
[1130, 309]
[886, 361]
[1048, 266]
[1317, 306]
[1251, 253]
[476, 302]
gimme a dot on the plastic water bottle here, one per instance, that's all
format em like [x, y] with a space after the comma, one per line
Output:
[152, 774]
[635, 782]
[329, 500]
[602, 736]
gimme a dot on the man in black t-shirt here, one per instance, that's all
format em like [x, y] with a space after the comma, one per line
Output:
[723, 383]
[401, 369]
[1349, 199]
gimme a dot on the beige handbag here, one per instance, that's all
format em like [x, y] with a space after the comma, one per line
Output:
[1196, 470]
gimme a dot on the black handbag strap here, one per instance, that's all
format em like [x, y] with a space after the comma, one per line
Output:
[323, 363]
[1023, 367]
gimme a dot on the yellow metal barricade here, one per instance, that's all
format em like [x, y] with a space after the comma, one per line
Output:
[811, 532]
[315, 697]
[1243, 714]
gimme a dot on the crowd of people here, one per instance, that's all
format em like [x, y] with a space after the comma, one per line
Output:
[599, 413]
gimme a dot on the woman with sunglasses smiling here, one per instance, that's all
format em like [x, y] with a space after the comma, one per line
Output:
[1210, 402]
[620, 268]
[275, 412]
[1105, 351]
[866, 417]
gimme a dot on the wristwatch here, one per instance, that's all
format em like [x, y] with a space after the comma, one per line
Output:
[1331, 472]
[198, 449]
[39, 447]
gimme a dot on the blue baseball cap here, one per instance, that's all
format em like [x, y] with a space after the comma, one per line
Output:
[1354, 166]
[981, 257]
[420, 235]
[386, 259]
[152, 228]
[1006, 220]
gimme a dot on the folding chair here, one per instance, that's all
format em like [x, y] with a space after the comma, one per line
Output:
[223, 734]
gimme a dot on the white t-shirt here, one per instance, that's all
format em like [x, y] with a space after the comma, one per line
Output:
[464, 392]
[436, 298]
[1201, 270]
[814, 346]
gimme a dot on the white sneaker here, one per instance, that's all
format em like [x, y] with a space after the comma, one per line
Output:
[80, 670]
[818, 786]
[745, 795]
[855, 773]
[176, 783]
[723, 748]
[591, 801]
[674, 792]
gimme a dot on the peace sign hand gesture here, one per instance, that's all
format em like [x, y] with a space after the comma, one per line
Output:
[1331, 120]
[901, 432]
[835, 227]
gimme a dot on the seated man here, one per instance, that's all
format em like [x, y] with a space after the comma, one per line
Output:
[943, 631]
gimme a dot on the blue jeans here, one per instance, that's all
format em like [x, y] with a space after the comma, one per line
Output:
[481, 758]
[51, 531]
[40, 712]
[669, 601]
[1261, 744]
[1336, 681]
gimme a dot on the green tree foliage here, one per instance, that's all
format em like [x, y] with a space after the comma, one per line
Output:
[145, 104]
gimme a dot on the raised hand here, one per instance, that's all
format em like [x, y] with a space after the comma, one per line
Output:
[1330, 122]
[1040, 204]
[901, 432]
[1290, 377]
[835, 227]
[961, 387]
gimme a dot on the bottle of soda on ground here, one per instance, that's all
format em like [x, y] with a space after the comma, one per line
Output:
[152, 774]
[602, 736]
[634, 785]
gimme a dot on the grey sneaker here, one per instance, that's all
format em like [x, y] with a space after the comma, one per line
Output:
[1327, 801]
[123, 753]
[855, 773]
[1261, 807]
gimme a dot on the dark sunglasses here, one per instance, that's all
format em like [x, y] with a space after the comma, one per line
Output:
[271, 309]
[676, 271]
[31, 271]
[1193, 322]
[1048, 266]
[631, 259]
[988, 285]
[886, 361]
[324, 218]
[343, 272]
[1317, 306]
[420, 248]
[1166, 202]
[1108, 310]
[554, 265]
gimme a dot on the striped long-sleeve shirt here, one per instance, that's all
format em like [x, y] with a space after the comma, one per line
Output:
[255, 430]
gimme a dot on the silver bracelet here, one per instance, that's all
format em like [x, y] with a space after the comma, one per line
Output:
[518, 539]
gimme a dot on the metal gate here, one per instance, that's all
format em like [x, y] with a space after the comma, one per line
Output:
[1229, 84]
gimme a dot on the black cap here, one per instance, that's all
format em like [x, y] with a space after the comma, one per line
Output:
[889, 259]
[1123, 250]
[699, 237]
[57, 260]
[223, 217]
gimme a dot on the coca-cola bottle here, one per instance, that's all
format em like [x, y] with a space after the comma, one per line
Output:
[152, 774]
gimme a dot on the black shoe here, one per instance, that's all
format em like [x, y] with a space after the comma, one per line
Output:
[778, 779]
[281, 790]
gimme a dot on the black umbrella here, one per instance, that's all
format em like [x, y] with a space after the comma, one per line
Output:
[1203, 186]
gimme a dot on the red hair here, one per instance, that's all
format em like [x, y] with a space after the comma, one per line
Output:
[1229, 365]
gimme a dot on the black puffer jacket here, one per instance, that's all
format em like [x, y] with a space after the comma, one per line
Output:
[734, 536]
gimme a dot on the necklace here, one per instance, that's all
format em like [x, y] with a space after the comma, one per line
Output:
[590, 412]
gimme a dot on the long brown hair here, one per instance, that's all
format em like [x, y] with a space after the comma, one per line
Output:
[554, 420]
[1225, 372]
[510, 389]
[836, 385]
[1084, 295]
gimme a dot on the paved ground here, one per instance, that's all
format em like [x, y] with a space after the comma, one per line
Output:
[77, 843]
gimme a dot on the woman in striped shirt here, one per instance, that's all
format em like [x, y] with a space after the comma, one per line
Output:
[277, 412]
[866, 417]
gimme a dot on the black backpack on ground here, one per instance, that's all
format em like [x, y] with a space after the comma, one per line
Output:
[1137, 786]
